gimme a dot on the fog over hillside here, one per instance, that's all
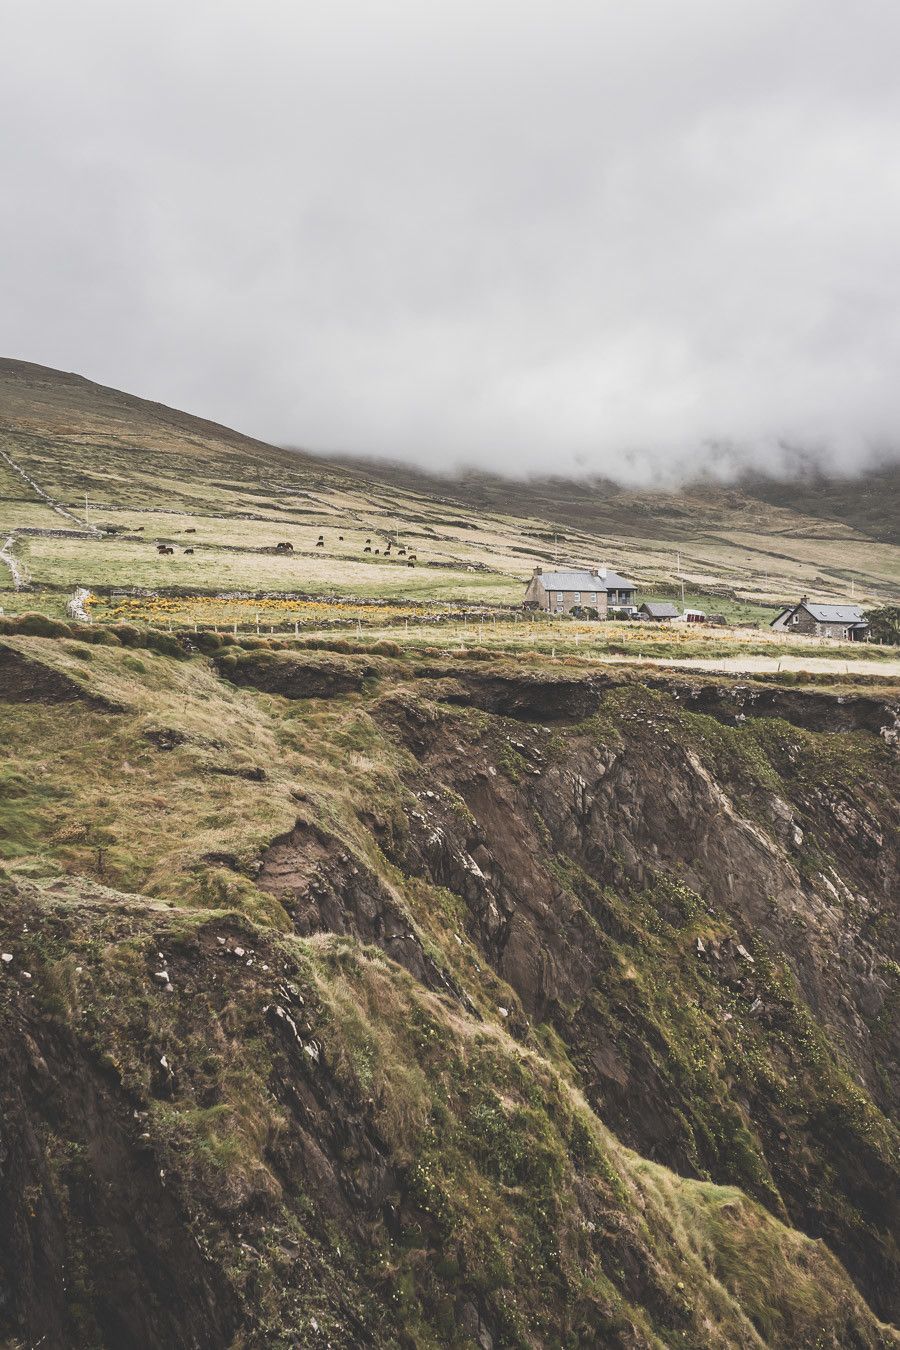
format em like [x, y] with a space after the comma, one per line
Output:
[646, 241]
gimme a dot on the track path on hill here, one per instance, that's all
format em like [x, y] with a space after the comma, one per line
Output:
[12, 562]
[51, 502]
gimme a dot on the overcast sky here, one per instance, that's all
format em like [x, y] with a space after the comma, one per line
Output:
[637, 238]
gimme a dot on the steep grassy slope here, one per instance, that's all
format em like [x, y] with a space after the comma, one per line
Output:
[156, 474]
[382, 998]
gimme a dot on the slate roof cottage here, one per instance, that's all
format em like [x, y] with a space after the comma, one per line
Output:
[846, 622]
[561, 590]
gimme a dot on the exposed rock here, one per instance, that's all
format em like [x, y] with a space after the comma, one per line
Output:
[324, 890]
[294, 675]
[165, 738]
[24, 680]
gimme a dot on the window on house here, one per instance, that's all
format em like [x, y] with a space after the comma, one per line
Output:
[559, 597]
[578, 597]
[593, 597]
[795, 618]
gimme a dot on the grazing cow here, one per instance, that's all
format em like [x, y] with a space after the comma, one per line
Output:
[160, 548]
[367, 549]
[190, 529]
[320, 543]
[378, 550]
[284, 547]
[411, 562]
[368, 541]
[341, 538]
[401, 551]
[188, 550]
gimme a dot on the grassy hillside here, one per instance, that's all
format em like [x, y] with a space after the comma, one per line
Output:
[77, 456]
[428, 983]
[383, 998]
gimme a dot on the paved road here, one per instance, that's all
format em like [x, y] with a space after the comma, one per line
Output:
[751, 665]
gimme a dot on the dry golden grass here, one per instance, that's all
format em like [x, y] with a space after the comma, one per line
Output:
[157, 473]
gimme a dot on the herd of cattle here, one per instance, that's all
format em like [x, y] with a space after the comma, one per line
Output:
[285, 546]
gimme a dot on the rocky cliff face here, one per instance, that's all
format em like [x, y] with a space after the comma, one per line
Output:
[704, 915]
[500, 1008]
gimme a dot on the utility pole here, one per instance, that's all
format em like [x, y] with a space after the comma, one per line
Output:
[87, 519]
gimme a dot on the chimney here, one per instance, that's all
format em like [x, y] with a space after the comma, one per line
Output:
[537, 571]
[601, 572]
[594, 572]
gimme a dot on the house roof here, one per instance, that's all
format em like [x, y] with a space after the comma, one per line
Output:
[835, 613]
[571, 580]
[662, 609]
[850, 614]
[616, 583]
[580, 579]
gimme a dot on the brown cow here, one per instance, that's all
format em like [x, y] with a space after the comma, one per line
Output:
[188, 550]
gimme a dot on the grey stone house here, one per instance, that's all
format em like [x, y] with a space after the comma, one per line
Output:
[846, 622]
[562, 590]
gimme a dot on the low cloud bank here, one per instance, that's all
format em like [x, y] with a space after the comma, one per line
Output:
[645, 241]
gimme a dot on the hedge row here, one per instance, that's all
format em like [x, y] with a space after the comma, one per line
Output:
[179, 643]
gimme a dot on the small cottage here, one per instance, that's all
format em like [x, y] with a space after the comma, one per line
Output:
[562, 590]
[659, 611]
[844, 622]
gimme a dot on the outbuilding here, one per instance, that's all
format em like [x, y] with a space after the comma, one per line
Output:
[659, 611]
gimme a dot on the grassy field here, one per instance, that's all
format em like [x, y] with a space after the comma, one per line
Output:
[599, 641]
[153, 474]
